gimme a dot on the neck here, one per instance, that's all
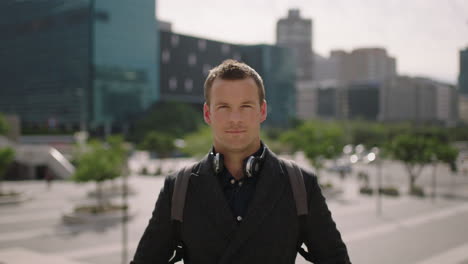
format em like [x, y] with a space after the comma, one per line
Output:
[233, 160]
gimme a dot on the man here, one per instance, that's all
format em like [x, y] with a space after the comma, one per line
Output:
[239, 205]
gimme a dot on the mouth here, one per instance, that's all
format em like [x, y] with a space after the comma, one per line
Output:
[235, 131]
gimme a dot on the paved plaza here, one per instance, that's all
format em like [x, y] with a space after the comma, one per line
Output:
[410, 230]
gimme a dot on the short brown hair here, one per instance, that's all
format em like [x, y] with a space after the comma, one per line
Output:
[233, 70]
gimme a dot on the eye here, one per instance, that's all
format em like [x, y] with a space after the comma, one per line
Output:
[247, 106]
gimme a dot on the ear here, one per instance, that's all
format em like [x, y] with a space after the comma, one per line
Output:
[207, 114]
[263, 111]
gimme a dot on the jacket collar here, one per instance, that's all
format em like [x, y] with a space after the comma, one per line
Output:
[269, 190]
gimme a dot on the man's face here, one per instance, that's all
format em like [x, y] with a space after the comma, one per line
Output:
[235, 115]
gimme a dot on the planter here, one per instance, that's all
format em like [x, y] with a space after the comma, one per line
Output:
[112, 191]
[389, 191]
[331, 192]
[93, 214]
[13, 198]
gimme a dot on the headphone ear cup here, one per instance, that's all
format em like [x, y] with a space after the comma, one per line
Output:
[255, 166]
[249, 166]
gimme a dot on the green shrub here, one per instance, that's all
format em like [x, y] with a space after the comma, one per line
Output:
[144, 171]
[417, 191]
[327, 185]
[389, 191]
[366, 190]
[158, 171]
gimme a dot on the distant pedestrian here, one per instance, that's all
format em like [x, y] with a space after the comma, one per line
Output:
[49, 177]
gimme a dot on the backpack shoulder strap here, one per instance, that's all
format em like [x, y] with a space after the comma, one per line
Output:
[180, 191]
[300, 196]
[298, 187]
[177, 209]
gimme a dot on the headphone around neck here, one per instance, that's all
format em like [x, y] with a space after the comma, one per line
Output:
[251, 166]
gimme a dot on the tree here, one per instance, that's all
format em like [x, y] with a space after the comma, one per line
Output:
[415, 151]
[318, 140]
[101, 162]
[447, 154]
[7, 156]
[198, 143]
[368, 134]
[160, 143]
[170, 118]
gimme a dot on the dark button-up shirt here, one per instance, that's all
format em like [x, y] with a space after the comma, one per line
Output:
[238, 193]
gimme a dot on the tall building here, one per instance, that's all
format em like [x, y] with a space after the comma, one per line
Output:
[99, 64]
[419, 100]
[306, 101]
[362, 101]
[276, 67]
[463, 108]
[295, 33]
[186, 61]
[463, 74]
[365, 65]
[463, 86]
[68, 64]
[357, 101]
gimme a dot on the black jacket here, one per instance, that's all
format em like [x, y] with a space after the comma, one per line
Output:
[269, 233]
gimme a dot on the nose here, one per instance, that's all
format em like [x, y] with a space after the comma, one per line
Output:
[235, 116]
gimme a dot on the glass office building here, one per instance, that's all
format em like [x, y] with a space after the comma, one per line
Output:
[277, 67]
[77, 63]
[186, 61]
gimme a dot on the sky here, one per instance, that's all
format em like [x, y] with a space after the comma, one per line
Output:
[425, 36]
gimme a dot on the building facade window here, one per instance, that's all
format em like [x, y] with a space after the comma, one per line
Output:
[206, 69]
[102, 16]
[237, 56]
[172, 83]
[202, 44]
[165, 56]
[225, 48]
[174, 40]
[192, 59]
[188, 85]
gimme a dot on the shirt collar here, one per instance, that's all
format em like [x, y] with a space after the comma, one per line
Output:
[226, 176]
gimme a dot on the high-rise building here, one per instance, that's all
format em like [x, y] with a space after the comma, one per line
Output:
[463, 74]
[419, 100]
[365, 65]
[77, 63]
[362, 101]
[276, 67]
[98, 64]
[187, 60]
[463, 86]
[295, 33]
[463, 108]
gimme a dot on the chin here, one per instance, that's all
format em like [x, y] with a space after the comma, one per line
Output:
[236, 144]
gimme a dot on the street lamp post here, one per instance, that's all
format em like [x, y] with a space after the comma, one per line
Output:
[125, 213]
[379, 184]
[373, 156]
[434, 180]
